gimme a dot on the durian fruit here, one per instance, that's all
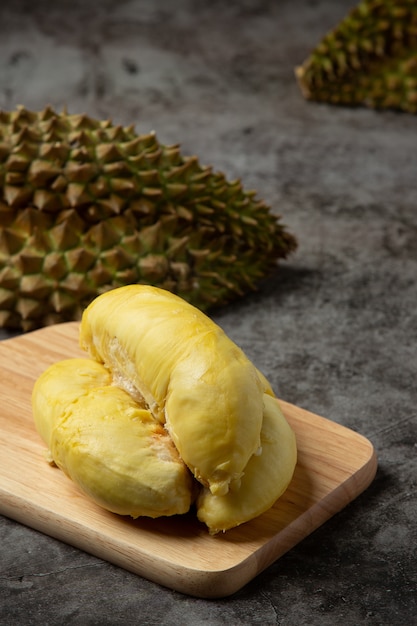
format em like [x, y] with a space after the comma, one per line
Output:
[109, 445]
[266, 477]
[86, 206]
[193, 378]
[369, 59]
[167, 413]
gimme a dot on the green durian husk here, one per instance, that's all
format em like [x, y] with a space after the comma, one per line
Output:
[369, 59]
[87, 206]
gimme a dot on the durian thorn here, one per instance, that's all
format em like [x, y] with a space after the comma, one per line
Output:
[9, 319]
[150, 236]
[177, 246]
[152, 192]
[17, 196]
[81, 172]
[79, 154]
[153, 267]
[7, 298]
[217, 277]
[30, 261]
[102, 235]
[142, 207]
[48, 112]
[196, 189]
[63, 236]
[128, 187]
[114, 204]
[61, 301]
[55, 266]
[131, 148]
[21, 114]
[80, 259]
[101, 277]
[199, 255]
[59, 184]
[25, 149]
[84, 138]
[52, 136]
[35, 286]
[236, 229]
[117, 258]
[179, 171]
[75, 283]
[17, 163]
[184, 213]
[148, 176]
[108, 153]
[218, 204]
[228, 259]
[41, 172]
[221, 190]
[82, 121]
[77, 194]
[204, 209]
[4, 150]
[250, 221]
[30, 308]
[9, 277]
[180, 269]
[27, 134]
[28, 220]
[201, 176]
[31, 324]
[153, 157]
[172, 153]
[53, 126]
[176, 189]
[99, 186]
[115, 133]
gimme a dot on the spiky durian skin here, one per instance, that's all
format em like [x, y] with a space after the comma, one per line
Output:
[369, 59]
[86, 206]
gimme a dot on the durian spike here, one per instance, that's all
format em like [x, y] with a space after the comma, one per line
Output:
[369, 59]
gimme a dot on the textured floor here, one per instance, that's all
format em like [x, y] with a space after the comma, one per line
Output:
[335, 329]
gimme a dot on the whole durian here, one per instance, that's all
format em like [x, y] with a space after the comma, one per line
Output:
[87, 206]
[369, 59]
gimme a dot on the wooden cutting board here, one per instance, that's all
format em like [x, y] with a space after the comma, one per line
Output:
[334, 466]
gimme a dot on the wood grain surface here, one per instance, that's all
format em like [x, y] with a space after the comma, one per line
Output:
[334, 466]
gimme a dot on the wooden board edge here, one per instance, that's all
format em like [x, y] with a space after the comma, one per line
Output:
[317, 515]
[210, 584]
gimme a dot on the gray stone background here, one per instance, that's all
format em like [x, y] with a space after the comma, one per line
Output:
[334, 329]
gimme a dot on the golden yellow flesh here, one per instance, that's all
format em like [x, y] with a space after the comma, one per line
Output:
[106, 443]
[194, 379]
[266, 476]
[61, 385]
[165, 389]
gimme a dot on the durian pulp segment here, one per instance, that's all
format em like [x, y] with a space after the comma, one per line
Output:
[60, 386]
[193, 377]
[266, 477]
[109, 445]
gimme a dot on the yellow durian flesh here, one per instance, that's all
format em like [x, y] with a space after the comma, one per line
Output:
[109, 445]
[61, 385]
[266, 476]
[193, 378]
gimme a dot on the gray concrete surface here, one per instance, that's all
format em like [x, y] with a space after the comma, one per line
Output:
[335, 329]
